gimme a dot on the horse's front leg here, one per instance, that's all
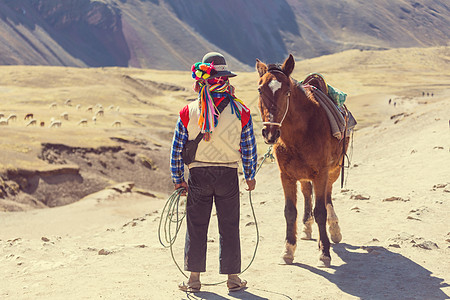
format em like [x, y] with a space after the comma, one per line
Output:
[320, 215]
[308, 218]
[290, 214]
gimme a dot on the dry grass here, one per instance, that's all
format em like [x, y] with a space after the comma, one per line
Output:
[369, 77]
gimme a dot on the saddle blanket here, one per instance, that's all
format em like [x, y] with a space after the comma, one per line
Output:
[340, 117]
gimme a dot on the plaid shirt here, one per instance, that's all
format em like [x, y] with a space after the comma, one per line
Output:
[248, 151]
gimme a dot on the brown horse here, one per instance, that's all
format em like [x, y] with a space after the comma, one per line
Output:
[305, 150]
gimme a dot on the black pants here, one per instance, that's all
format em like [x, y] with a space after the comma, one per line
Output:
[222, 185]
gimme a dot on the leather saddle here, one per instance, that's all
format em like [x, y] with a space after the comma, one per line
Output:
[316, 80]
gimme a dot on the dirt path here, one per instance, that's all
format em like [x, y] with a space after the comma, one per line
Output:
[393, 213]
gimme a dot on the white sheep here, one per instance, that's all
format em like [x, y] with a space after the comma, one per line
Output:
[89, 108]
[28, 116]
[78, 106]
[2, 115]
[83, 122]
[3, 122]
[111, 107]
[116, 124]
[99, 113]
[68, 102]
[53, 105]
[117, 108]
[65, 115]
[56, 123]
[12, 117]
[94, 119]
[32, 122]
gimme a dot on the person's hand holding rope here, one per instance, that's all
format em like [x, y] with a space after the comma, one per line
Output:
[250, 185]
[182, 185]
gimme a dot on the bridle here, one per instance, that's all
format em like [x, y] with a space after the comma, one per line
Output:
[287, 104]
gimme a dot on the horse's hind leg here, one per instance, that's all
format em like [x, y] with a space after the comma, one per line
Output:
[320, 215]
[333, 224]
[332, 219]
[290, 214]
[308, 218]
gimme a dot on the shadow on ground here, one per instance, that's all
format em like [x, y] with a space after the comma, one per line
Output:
[380, 273]
[243, 295]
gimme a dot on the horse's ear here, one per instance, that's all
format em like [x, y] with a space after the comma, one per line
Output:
[288, 65]
[261, 68]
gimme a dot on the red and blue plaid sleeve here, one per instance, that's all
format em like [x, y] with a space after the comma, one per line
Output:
[248, 151]
[180, 137]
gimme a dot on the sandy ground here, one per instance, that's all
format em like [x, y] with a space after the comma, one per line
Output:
[393, 211]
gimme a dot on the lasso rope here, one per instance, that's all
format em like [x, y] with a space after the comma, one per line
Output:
[173, 217]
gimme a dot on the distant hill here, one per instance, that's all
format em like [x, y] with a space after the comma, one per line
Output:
[171, 34]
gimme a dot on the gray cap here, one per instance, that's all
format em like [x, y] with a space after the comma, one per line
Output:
[219, 63]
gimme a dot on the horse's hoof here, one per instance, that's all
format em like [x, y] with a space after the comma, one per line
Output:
[336, 238]
[335, 233]
[307, 229]
[306, 236]
[324, 261]
[288, 254]
[287, 260]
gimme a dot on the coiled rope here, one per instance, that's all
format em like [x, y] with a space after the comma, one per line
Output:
[172, 217]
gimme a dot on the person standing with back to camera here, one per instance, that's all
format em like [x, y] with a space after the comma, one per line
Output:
[213, 175]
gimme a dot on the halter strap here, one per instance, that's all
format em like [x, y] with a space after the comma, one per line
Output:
[285, 113]
[272, 69]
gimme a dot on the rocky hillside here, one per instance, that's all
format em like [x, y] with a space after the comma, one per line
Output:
[171, 34]
[67, 32]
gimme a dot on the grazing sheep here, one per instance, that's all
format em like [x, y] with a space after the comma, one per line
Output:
[3, 122]
[56, 123]
[94, 119]
[78, 106]
[83, 122]
[2, 115]
[68, 102]
[28, 116]
[111, 107]
[89, 108]
[42, 123]
[53, 105]
[65, 116]
[99, 113]
[117, 108]
[32, 122]
[12, 117]
[116, 124]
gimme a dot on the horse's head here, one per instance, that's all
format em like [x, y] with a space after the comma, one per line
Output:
[274, 91]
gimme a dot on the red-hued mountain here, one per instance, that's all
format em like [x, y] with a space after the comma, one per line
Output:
[171, 34]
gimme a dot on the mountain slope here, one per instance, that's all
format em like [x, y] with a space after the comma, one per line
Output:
[171, 34]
